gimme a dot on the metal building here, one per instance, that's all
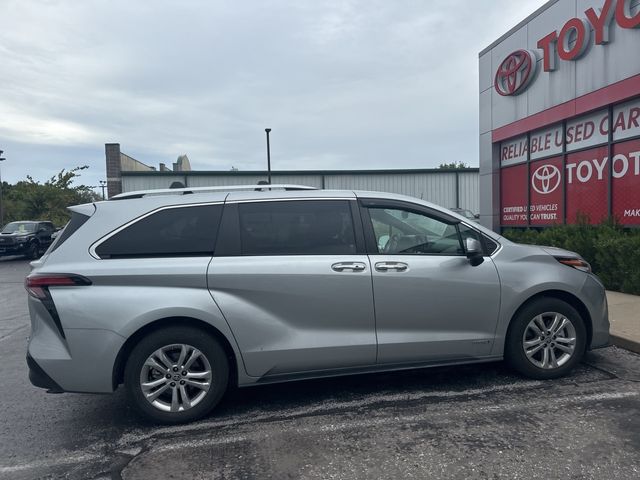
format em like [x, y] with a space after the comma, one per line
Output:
[446, 187]
[449, 188]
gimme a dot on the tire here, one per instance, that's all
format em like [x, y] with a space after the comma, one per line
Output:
[169, 341]
[535, 363]
[32, 252]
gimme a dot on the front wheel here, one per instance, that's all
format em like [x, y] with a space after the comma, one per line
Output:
[32, 251]
[546, 339]
[176, 375]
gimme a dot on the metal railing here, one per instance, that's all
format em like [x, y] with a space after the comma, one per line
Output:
[188, 190]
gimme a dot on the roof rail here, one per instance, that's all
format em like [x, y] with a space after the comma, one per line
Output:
[187, 190]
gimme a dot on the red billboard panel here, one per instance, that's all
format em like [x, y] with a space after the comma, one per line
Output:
[626, 182]
[546, 182]
[587, 177]
[513, 195]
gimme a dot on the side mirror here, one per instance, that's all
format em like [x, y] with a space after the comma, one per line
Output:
[474, 251]
[476, 215]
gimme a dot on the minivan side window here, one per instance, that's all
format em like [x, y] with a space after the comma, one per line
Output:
[172, 232]
[303, 227]
[404, 232]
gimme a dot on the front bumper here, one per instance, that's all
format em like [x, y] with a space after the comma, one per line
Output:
[13, 249]
[594, 296]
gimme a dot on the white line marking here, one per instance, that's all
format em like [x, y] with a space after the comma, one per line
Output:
[65, 459]
[252, 416]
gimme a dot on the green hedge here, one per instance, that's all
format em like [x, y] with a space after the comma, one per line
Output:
[613, 252]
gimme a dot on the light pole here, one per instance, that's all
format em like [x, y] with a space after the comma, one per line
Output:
[1, 206]
[268, 156]
[103, 184]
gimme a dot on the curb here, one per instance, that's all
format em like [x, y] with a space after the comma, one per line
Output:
[625, 343]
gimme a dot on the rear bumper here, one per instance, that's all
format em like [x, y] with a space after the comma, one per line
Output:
[39, 377]
[80, 361]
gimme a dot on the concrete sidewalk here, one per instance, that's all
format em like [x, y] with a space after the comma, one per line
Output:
[624, 315]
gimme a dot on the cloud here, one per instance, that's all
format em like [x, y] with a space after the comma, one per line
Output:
[343, 84]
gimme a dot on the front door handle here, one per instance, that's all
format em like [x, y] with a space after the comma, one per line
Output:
[387, 266]
[348, 266]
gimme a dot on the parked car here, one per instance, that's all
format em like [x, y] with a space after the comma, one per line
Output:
[28, 238]
[179, 293]
[468, 214]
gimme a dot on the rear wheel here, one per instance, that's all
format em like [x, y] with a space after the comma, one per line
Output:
[546, 339]
[176, 375]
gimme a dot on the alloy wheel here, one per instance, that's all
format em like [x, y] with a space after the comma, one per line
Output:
[175, 377]
[549, 340]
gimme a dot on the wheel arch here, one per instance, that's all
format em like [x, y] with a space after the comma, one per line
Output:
[132, 341]
[566, 297]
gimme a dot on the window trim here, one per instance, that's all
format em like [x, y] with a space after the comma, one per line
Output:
[101, 240]
[372, 247]
[229, 242]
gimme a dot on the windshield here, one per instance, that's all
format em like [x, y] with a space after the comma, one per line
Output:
[19, 227]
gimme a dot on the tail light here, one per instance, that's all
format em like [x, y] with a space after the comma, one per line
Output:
[37, 285]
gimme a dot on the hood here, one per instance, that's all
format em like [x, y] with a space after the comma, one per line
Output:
[560, 252]
[16, 234]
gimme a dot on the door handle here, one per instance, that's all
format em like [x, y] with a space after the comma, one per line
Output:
[352, 266]
[386, 266]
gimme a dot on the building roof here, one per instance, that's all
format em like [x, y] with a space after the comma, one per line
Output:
[239, 173]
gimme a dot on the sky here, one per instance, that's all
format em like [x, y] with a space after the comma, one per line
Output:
[344, 84]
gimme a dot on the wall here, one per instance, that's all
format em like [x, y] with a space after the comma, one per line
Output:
[443, 187]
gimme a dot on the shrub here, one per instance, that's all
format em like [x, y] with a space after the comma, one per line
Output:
[612, 251]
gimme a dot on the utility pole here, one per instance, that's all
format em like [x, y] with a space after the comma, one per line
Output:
[268, 156]
[103, 185]
[1, 206]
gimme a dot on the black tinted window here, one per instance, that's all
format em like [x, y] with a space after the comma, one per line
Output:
[312, 227]
[490, 244]
[174, 232]
[77, 220]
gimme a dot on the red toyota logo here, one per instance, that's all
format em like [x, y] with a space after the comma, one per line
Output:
[515, 72]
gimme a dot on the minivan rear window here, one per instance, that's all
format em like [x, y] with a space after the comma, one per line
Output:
[77, 220]
[171, 232]
[304, 227]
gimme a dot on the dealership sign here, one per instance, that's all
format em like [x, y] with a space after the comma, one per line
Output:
[581, 132]
[569, 169]
[517, 70]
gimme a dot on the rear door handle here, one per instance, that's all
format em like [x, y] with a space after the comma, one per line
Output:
[348, 266]
[395, 266]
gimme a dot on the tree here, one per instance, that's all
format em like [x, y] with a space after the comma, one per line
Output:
[453, 165]
[32, 200]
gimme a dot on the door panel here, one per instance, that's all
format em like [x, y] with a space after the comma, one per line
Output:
[435, 308]
[431, 304]
[297, 313]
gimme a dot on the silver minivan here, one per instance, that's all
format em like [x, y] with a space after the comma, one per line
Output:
[178, 294]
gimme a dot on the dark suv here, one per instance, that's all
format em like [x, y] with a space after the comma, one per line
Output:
[26, 238]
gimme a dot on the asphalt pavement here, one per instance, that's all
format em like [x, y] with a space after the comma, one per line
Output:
[467, 422]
